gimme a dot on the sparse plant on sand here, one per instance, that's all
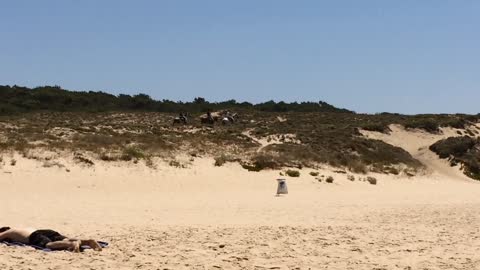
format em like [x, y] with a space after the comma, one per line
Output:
[13, 162]
[329, 179]
[314, 174]
[292, 173]
[176, 164]
[221, 160]
[261, 162]
[130, 153]
[372, 180]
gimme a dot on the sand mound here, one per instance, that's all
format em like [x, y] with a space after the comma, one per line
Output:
[417, 143]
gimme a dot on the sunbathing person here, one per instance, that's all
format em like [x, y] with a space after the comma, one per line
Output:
[45, 239]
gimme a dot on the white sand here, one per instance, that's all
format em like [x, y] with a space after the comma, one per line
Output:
[173, 218]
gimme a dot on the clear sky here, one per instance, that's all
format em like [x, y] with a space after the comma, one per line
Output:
[405, 56]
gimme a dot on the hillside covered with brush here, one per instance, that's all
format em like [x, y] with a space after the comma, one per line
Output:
[270, 135]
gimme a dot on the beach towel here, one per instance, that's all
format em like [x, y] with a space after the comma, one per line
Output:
[16, 244]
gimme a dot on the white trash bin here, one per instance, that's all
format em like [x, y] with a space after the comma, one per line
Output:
[282, 187]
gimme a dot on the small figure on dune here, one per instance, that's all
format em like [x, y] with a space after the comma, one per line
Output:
[209, 119]
[229, 118]
[181, 119]
[46, 239]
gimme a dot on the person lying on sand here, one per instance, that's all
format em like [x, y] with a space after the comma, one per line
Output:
[46, 239]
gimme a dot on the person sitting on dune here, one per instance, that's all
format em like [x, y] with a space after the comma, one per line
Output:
[45, 239]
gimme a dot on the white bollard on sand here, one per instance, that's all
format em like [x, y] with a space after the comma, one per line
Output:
[282, 187]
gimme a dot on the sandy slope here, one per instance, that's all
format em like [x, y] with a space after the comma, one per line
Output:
[205, 217]
[417, 143]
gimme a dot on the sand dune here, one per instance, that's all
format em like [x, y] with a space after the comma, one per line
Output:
[206, 217]
[417, 142]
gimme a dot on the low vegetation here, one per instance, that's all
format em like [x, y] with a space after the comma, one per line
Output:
[372, 180]
[133, 128]
[130, 153]
[222, 159]
[329, 179]
[292, 173]
[461, 150]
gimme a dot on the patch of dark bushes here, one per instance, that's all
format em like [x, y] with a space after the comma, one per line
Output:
[262, 162]
[377, 127]
[425, 124]
[453, 146]
[222, 159]
[460, 150]
[293, 173]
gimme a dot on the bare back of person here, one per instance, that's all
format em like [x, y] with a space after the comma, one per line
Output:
[17, 235]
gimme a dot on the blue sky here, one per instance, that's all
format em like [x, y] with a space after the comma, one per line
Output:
[370, 56]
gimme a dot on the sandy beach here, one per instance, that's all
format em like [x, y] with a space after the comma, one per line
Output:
[207, 217]
[157, 135]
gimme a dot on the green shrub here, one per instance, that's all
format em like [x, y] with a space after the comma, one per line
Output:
[130, 153]
[425, 124]
[391, 170]
[372, 180]
[453, 146]
[265, 161]
[470, 133]
[292, 173]
[221, 160]
[377, 127]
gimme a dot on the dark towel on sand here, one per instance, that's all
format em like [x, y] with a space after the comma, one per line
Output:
[102, 244]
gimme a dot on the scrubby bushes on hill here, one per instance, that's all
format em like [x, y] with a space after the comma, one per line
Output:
[293, 173]
[321, 133]
[453, 146]
[461, 150]
[333, 138]
[427, 122]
